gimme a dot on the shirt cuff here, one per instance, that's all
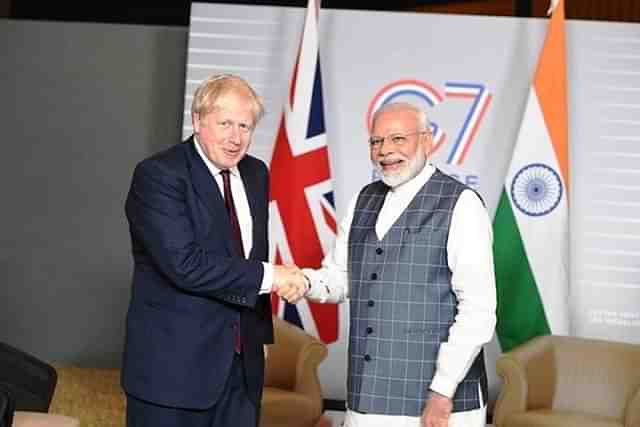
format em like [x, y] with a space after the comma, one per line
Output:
[317, 289]
[267, 279]
[443, 385]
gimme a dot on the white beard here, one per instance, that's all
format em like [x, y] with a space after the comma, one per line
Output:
[412, 169]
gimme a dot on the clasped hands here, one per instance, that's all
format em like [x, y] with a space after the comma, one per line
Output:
[289, 283]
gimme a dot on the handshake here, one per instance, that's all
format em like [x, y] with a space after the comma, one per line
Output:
[290, 283]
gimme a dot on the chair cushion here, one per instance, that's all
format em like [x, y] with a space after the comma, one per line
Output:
[548, 418]
[279, 407]
[39, 419]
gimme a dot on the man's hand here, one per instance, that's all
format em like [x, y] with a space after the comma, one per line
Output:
[289, 283]
[437, 411]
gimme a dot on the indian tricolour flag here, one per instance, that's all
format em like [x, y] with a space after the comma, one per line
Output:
[531, 227]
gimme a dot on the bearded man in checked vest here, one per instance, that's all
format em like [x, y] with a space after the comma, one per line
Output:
[413, 256]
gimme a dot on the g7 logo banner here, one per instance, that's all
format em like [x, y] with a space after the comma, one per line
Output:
[476, 94]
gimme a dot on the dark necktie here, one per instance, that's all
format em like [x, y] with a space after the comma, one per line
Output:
[236, 236]
[231, 211]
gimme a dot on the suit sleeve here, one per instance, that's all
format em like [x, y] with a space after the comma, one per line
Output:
[159, 219]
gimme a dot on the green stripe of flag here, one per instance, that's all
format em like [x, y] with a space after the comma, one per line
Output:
[520, 311]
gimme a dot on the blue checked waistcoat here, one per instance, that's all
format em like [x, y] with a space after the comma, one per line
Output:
[402, 304]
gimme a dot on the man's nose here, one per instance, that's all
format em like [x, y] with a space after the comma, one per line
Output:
[235, 134]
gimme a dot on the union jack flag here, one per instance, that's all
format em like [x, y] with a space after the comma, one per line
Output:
[302, 210]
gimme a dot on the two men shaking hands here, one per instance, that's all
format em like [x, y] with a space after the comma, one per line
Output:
[290, 283]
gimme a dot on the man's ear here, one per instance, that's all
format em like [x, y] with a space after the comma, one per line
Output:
[195, 120]
[427, 142]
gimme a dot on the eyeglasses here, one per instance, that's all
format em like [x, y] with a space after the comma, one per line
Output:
[396, 139]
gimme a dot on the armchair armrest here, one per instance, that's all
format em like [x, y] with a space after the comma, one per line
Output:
[632, 412]
[513, 395]
[309, 358]
[39, 419]
[528, 378]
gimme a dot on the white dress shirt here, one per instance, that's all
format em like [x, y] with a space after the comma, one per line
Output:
[242, 211]
[470, 258]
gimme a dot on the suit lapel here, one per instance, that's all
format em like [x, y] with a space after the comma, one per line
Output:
[207, 189]
[249, 180]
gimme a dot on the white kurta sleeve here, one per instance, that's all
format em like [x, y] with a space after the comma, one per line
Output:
[470, 257]
[330, 283]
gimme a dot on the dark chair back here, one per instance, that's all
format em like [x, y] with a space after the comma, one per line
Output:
[30, 381]
[7, 406]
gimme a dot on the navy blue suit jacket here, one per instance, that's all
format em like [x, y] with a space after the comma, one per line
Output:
[189, 288]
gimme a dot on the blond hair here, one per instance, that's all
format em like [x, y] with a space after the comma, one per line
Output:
[206, 96]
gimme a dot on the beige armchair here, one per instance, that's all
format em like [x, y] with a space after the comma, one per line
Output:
[292, 395]
[569, 382]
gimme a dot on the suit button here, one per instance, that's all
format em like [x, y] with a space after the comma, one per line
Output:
[374, 276]
[369, 329]
[379, 251]
[367, 358]
[371, 303]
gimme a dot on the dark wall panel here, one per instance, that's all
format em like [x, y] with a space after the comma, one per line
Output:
[80, 105]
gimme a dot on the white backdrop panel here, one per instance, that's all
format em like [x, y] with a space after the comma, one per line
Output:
[447, 60]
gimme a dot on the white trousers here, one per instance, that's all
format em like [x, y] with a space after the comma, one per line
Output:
[473, 418]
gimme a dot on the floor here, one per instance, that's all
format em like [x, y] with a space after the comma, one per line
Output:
[338, 416]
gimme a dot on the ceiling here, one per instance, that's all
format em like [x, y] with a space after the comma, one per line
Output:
[176, 12]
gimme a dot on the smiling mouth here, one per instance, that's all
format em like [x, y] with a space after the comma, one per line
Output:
[390, 164]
